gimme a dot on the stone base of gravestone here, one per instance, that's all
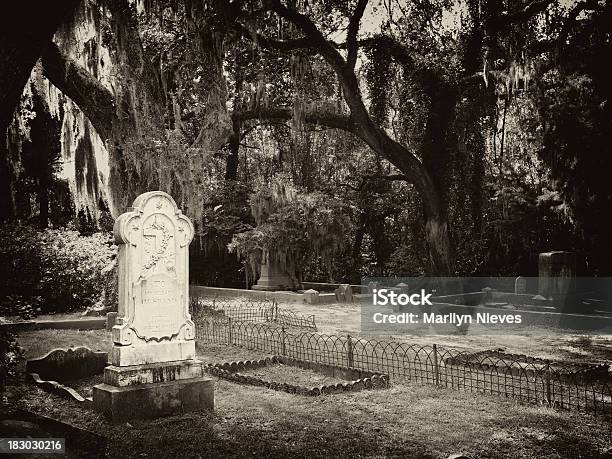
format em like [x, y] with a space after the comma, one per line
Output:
[272, 278]
[165, 351]
[153, 390]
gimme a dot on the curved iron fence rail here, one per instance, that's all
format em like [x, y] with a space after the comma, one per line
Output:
[509, 376]
[248, 310]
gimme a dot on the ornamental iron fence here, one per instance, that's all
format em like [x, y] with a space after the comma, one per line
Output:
[562, 385]
[248, 310]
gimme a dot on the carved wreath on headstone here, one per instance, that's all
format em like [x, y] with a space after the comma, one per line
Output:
[162, 248]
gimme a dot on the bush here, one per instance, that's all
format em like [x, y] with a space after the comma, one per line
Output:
[55, 270]
[10, 353]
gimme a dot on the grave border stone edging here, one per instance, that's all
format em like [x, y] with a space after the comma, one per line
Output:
[364, 379]
[59, 389]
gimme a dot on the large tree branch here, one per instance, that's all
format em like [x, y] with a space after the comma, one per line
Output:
[428, 79]
[365, 128]
[436, 228]
[544, 46]
[27, 26]
[325, 48]
[97, 102]
[353, 29]
[528, 11]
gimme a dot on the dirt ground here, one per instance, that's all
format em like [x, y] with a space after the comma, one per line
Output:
[403, 421]
[407, 420]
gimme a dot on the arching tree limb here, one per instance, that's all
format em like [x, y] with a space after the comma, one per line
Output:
[405, 160]
[96, 101]
[351, 36]
[27, 25]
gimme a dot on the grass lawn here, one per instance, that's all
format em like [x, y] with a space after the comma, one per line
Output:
[404, 421]
[342, 319]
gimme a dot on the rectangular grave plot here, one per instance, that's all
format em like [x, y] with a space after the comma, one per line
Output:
[530, 365]
[281, 373]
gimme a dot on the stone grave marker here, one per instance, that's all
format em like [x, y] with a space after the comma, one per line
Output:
[311, 296]
[556, 275]
[339, 294]
[153, 369]
[347, 292]
[520, 285]
[272, 277]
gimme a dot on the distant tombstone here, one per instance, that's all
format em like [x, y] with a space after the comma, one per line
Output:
[520, 285]
[487, 296]
[311, 296]
[347, 292]
[344, 293]
[372, 286]
[556, 274]
[153, 369]
[111, 318]
[272, 277]
[402, 287]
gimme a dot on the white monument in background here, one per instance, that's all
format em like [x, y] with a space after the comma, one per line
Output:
[153, 368]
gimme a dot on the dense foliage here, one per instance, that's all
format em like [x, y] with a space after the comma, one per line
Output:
[55, 270]
[293, 229]
[10, 353]
[497, 114]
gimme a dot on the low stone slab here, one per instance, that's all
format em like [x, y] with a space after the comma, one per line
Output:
[155, 399]
[68, 364]
[357, 379]
[521, 364]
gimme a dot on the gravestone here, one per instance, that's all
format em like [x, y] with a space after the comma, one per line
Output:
[520, 285]
[111, 318]
[487, 296]
[153, 369]
[347, 292]
[272, 277]
[65, 365]
[556, 275]
[339, 294]
[311, 296]
[344, 293]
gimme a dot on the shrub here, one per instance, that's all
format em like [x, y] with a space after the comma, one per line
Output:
[55, 270]
[10, 353]
[293, 228]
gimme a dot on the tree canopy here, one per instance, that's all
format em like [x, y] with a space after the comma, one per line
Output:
[437, 136]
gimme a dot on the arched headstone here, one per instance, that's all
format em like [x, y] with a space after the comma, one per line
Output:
[153, 369]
